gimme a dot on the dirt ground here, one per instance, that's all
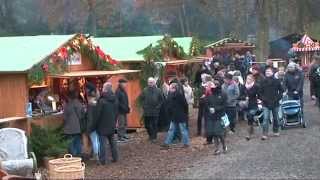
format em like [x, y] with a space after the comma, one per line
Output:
[293, 155]
[140, 159]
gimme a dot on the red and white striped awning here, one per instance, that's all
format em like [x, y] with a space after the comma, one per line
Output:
[306, 44]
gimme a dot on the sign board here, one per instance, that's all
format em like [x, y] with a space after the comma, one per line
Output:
[75, 59]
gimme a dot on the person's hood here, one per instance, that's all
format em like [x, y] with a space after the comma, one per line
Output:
[109, 96]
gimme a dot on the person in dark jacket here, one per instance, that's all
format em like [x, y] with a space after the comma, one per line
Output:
[314, 77]
[270, 93]
[72, 115]
[293, 82]
[152, 99]
[123, 110]
[215, 109]
[251, 98]
[107, 109]
[201, 107]
[178, 113]
[91, 117]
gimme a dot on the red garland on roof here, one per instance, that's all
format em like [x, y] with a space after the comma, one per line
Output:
[58, 61]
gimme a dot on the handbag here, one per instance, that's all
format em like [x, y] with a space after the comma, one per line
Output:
[225, 121]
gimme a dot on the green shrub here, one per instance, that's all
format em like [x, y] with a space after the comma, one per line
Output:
[48, 142]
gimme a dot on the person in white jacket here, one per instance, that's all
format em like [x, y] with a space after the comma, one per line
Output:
[188, 93]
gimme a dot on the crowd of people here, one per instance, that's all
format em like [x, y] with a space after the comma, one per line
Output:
[231, 90]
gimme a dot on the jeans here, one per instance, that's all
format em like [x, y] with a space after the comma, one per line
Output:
[250, 115]
[217, 140]
[95, 142]
[103, 152]
[266, 119]
[75, 145]
[173, 129]
[122, 125]
[151, 124]
[232, 114]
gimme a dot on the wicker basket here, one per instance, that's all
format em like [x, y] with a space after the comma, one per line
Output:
[69, 172]
[67, 160]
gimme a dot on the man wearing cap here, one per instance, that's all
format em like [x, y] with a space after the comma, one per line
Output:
[315, 78]
[293, 82]
[123, 110]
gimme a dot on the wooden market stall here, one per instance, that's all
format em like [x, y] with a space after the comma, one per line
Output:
[125, 49]
[305, 49]
[231, 45]
[35, 72]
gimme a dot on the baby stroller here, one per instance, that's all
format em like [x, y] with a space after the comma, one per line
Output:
[290, 113]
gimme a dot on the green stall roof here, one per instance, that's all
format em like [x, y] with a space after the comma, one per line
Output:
[20, 53]
[126, 48]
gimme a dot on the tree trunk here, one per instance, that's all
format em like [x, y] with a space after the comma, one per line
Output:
[263, 30]
[183, 31]
[92, 17]
[186, 18]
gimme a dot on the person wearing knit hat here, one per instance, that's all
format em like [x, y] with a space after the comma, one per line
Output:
[293, 82]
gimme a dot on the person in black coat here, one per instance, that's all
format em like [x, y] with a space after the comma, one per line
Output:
[124, 109]
[178, 113]
[270, 93]
[152, 99]
[314, 77]
[216, 104]
[107, 109]
[250, 97]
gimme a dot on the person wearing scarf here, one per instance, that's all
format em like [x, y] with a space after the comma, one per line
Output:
[251, 98]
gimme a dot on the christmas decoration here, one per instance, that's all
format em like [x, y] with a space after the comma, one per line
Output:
[196, 47]
[58, 62]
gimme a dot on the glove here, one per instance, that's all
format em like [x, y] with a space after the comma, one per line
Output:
[212, 110]
[295, 92]
[313, 97]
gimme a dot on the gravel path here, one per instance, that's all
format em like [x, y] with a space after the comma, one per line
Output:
[293, 155]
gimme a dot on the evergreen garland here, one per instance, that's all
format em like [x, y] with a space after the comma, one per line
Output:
[165, 48]
[58, 64]
[196, 47]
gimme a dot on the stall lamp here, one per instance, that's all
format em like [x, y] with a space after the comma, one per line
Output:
[53, 103]
[50, 98]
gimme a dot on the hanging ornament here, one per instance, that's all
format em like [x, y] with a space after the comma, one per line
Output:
[45, 67]
[54, 58]
[85, 42]
[63, 53]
